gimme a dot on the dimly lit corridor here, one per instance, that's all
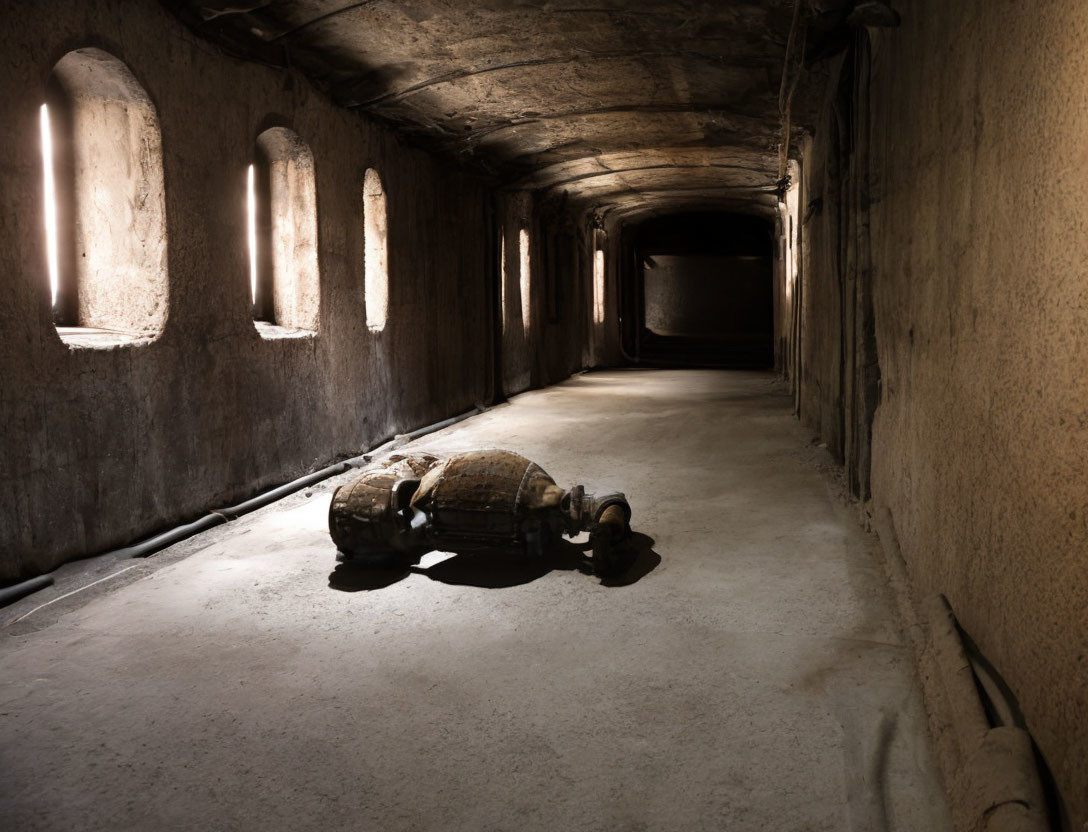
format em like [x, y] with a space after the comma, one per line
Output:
[543, 415]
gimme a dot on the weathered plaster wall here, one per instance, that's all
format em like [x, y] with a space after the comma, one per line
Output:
[101, 446]
[821, 402]
[980, 439]
[566, 275]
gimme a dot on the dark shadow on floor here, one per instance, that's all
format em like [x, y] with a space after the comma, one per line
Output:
[354, 576]
[641, 561]
[500, 570]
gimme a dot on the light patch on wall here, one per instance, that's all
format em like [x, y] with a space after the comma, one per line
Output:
[525, 272]
[50, 201]
[791, 226]
[251, 231]
[598, 286]
[375, 266]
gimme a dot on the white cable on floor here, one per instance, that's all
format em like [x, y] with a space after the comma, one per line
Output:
[73, 592]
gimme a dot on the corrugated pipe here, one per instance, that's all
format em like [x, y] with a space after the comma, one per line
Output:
[217, 517]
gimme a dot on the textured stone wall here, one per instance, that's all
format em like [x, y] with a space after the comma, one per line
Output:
[821, 404]
[101, 446]
[979, 204]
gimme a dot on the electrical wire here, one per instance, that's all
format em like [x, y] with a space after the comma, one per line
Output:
[786, 89]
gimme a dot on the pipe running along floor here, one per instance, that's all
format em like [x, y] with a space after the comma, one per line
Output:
[754, 678]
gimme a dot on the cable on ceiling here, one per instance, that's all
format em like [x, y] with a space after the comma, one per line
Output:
[787, 87]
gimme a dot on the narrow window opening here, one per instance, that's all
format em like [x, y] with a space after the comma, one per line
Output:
[598, 286]
[524, 273]
[251, 232]
[792, 252]
[50, 199]
[262, 276]
[281, 228]
[104, 202]
[502, 279]
[376, 270]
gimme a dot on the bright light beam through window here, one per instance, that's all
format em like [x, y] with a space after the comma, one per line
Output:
[50, 205]
[502, 266]
[525, 273]
[251, 207]
[375, 261]
[598, 286]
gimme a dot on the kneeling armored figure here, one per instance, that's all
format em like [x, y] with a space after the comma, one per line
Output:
[398, 509]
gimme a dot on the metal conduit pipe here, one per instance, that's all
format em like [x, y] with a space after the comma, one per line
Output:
[169, 537]
[11, 594]
[279, 491]
[217, 517]
[437, 426]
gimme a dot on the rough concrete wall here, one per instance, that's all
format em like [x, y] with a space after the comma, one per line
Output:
[821, 393]
[980, 442]
[101, 446]
[558, 349]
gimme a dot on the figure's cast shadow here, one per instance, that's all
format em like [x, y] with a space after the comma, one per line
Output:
[499, 570]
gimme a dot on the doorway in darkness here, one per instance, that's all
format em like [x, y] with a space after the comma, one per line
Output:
[704, 291]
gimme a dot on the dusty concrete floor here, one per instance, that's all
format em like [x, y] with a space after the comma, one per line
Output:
[755, 679]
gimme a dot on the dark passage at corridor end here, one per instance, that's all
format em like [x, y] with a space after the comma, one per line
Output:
[697, 290]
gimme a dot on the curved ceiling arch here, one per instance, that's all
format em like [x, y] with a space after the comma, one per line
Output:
[607, 102]
[454, 76]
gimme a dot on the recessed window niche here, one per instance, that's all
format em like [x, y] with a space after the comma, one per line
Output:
[282, 235]
[375, 266]
[502, 274]
[525, 276]
[104, 203]
[598, 286]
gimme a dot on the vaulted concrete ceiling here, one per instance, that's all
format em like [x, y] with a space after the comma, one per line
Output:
[619, 105]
